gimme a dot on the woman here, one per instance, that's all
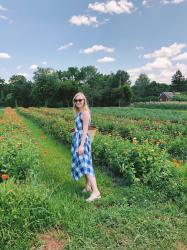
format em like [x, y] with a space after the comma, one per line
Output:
[81, 147]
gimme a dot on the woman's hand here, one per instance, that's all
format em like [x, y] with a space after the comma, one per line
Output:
[80, 150]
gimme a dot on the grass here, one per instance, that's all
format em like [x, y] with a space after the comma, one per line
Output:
[125, 217]
[179, 105]
[144, 113]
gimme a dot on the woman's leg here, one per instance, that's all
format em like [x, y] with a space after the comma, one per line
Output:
[88, 184]
[93, 183]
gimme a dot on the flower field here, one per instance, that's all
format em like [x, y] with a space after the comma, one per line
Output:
[140, 165]
[24, 209]
[146, 151]
[18, 154]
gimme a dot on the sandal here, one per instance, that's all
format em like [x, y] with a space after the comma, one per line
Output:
[87, 189]
[93, 197]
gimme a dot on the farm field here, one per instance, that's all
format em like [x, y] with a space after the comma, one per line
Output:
[140, 164]
[179, 105]
[24, 204]
[146, 112]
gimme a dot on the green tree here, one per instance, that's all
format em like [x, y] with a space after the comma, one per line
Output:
[178, 82]
[66, 91]
[46, 84]
[121, 77]
[139, 89]
[87, 74]
[122, 95]
[20, 89]
[10, 100]
[72, 74]
[2, 94]
[155, 88]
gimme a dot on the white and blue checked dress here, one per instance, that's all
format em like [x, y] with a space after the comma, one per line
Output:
[81, 164]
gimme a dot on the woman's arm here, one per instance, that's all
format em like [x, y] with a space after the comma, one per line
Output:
[85, 118]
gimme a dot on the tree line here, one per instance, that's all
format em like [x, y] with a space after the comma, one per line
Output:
[56, 88]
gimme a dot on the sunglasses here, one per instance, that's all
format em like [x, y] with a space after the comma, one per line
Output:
[78, 100]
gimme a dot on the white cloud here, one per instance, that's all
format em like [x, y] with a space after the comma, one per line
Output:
[2, 8]
[182, 67]
[3, 17]
[172, 1]
[146, 3]
[158, 63]
[66, 46]
[23, 74]
[170, 51]
[149, 3]
[44, 63]
[161, 70]
[96, 48]
[84, 20]
[33, 67]
[182, 56]
[4, 56]
[161, 63]
[106, 60]
[113, 7]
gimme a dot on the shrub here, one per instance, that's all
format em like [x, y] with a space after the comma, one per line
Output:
[178, 148]
[18, 158]
[24, 211]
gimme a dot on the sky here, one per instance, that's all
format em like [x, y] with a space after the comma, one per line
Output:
[138, 36]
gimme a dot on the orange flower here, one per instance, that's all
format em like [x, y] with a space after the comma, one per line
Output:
[5, 176]
[10, 191]
[176, 162]
[46, 152]
[43, 137]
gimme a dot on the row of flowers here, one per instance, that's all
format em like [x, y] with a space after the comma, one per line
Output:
[136, 163]
[19, 157]
[24, 203]
[165, 134]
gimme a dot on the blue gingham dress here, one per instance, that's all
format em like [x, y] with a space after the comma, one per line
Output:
[81, 164]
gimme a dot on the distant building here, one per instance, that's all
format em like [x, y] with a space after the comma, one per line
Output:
[166, 96]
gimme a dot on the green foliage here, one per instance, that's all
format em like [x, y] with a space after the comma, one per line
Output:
[134, 217]
[178, 148]
[56, 88]
[181, 97]
[24, 211]
[46, 83]
[122, 95]
[137, 163]
[9, 100]
[20, 89]
[178, 82]
[66, 92]
[145, 163]
[18, 158]
[141, 83]
[162, 105]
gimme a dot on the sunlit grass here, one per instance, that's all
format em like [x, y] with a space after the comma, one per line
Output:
[125, 217]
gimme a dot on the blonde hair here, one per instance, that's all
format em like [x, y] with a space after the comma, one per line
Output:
[85, 107]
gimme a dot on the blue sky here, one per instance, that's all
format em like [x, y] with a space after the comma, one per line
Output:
[142, 36]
